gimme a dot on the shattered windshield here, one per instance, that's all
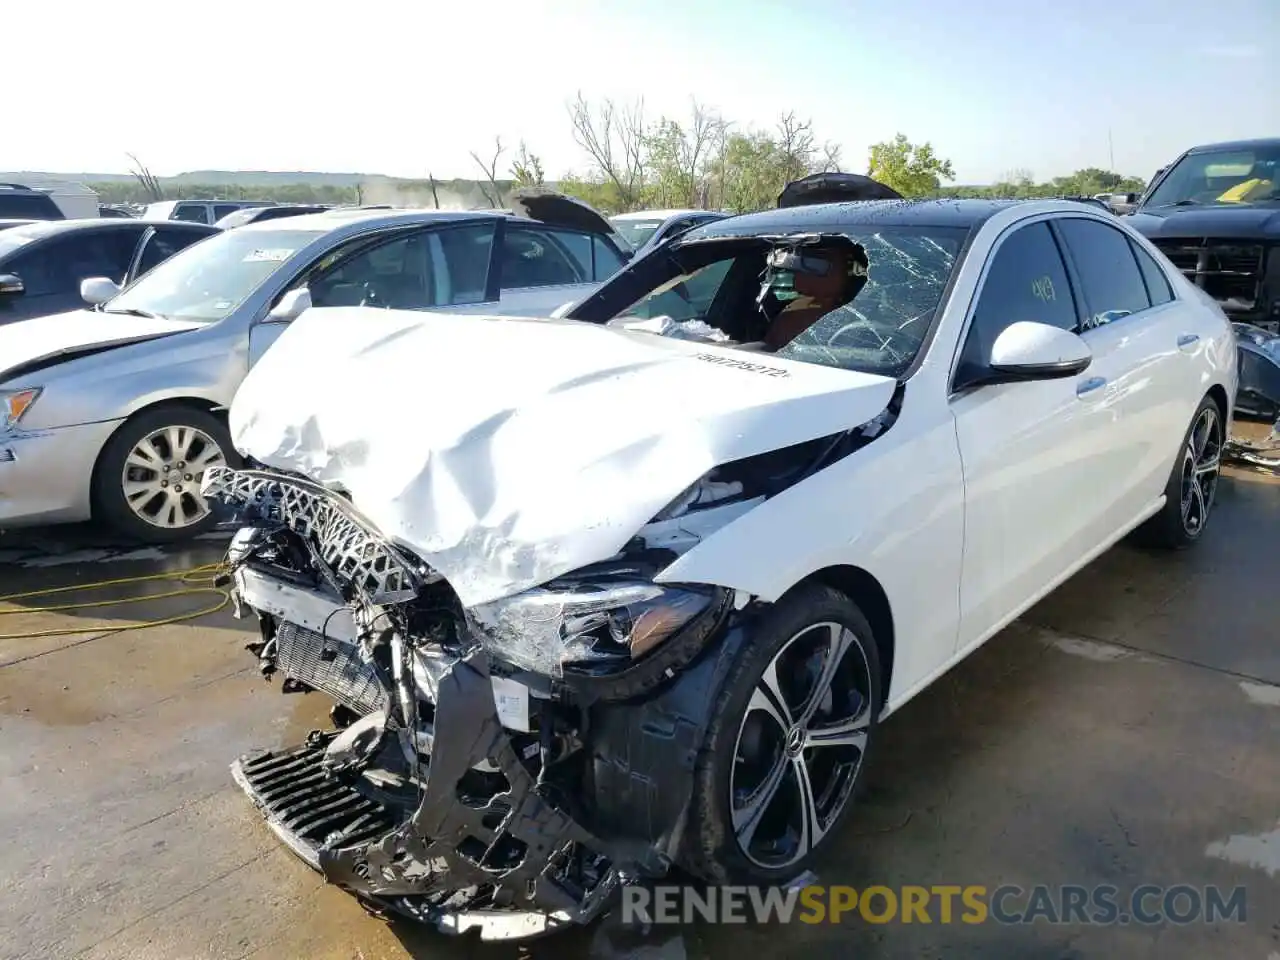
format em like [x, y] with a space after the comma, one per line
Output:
[861, 300]
[209, 279]
[1221, 176]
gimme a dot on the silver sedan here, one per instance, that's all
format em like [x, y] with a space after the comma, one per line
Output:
[114, 413]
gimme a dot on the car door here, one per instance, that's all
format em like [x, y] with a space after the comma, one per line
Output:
[51, 270]
[1038, 456]
[1131, 322]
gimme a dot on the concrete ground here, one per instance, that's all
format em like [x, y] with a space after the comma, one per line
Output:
[1126, 731]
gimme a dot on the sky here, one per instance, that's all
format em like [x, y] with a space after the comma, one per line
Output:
[407, 87]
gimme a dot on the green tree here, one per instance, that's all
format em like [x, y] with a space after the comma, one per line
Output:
[914, 170]
[526, 169]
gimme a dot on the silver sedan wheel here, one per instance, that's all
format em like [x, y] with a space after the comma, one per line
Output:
[1201, 464]
[800, 745]
[161, 477]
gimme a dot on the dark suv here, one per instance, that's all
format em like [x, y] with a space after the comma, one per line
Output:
[20, 202]
[1215, 212]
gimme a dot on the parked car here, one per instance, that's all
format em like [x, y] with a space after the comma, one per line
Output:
[114, 413]
[43, 264]
[20, 201]
[8, 222]
[592, 600]
[255, 214]
[1215, 212]
[198, 211]
[117, 213]
[644, 229]
[1259, 362]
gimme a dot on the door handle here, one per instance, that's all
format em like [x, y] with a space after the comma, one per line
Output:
[1188, 340]
[1088, 387]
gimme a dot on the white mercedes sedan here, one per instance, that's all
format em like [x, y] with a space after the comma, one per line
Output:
[635, 588]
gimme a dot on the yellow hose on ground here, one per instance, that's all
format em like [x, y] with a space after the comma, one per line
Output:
[200, 581]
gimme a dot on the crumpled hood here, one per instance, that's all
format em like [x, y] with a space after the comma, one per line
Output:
[32, 342]
[507, 451]
[1243, 221]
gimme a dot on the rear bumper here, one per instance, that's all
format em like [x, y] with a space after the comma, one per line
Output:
[46, 476]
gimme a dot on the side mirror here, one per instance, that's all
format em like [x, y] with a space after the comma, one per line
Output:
[11, 285]
[290, 306]
[1037, 351]
[98, 290]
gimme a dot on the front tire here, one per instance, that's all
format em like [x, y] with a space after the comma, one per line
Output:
[785, 751]
[1193, 483]
[146, 485]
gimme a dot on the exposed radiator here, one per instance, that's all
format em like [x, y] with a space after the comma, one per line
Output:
[328, 664]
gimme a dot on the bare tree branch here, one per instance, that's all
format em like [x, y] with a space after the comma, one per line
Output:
[493, 193]
[615, 140]
[146, 179]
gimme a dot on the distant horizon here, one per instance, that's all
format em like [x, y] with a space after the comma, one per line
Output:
[86, 177]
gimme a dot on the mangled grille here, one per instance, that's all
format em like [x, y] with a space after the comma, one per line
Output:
[347, 544]
[1229, 271]
[328, 664]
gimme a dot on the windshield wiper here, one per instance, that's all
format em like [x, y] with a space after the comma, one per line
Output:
[137, 312]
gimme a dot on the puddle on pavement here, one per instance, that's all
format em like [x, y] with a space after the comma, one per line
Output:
[300, 713]
[1260, 851]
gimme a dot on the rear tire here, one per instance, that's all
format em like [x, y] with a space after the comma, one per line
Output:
[146, 484]
[790, 733]
[1193, 483]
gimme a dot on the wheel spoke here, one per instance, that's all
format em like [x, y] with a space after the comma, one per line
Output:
[1193, 506]
[145, 456]
[838, 641]
[850, 733]
[1208, 465]
[811, 830]
[139, 491]
[767, 698]
[179, 441]
[746, 819]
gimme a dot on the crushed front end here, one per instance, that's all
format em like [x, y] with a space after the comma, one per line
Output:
[473, 779]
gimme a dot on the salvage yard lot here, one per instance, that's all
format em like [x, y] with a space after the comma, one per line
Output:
[1123, 732]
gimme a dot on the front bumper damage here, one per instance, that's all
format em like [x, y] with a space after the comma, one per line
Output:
[468, 831]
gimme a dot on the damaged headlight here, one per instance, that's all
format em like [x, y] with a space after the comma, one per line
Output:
[589, 624]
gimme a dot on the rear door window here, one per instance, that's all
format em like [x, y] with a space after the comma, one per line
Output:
[538, 257]
[1158, 289]
[191, 212]
[607, 260]
[1110, 281]
[222, 209]
[466, 253]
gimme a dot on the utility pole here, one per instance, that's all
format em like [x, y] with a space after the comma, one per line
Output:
[1111, 152]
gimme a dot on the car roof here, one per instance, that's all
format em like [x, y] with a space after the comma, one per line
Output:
[38, 229]
[660, 214]
[1261, 143]
[334, 219]
[838, 216]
